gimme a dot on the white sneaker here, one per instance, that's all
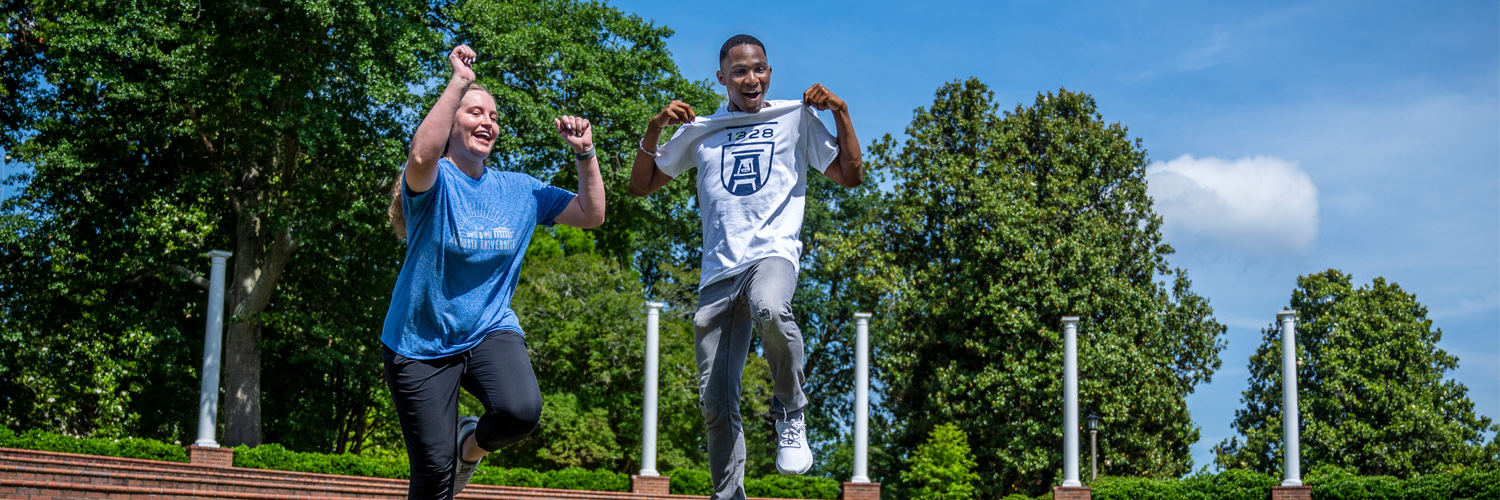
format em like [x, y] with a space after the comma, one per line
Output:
[793, 456]
[465, 470]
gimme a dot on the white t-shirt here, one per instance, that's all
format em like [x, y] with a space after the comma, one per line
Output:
[752, 178]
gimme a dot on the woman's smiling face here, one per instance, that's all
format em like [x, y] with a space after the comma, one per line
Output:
[474, 127]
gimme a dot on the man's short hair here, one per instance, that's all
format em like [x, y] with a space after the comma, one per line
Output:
[736, 41]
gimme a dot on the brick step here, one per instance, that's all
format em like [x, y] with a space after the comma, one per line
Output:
[49, 475]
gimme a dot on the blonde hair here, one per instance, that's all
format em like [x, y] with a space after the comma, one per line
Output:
[393, 212]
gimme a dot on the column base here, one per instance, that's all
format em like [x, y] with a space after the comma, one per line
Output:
[1291, 493]
[212, 457]
[1072, 493]
[651, 485]
[860, 491]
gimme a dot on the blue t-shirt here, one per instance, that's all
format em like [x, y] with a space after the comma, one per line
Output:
[465, 239]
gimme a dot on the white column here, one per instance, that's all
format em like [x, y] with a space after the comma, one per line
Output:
[1070, 401]
[213, 341]
[861, 397]
[648, 407]
[1291, 450]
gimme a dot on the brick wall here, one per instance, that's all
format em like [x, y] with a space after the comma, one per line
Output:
[1072, 493]
[651, 485]
[42, 475]
[212, 457]
[1291, 493]
[860, 491]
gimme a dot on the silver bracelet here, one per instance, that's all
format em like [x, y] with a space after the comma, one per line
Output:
[586, 154]
[642, 145]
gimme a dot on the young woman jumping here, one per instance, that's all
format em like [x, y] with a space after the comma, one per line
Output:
[450, 324]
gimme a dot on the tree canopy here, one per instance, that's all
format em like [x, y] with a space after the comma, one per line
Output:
[1372, 392]
[159, 130]
[996, 226]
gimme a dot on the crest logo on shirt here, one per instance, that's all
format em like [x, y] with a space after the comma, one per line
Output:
[746, 167]
[484, 233]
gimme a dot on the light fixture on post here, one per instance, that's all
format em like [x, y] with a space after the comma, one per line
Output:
[1093, 446]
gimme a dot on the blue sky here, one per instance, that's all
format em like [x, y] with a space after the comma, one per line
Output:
[1290, 137]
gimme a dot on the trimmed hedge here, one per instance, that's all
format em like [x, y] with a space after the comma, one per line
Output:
[1328, 483]
[792, 487]
[275, 457]
[1235, 484]
[146, 449]
[571, 478]
[1333, 483]
[699, 483]
[690, 482]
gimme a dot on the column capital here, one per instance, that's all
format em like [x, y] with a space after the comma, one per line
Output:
[1286, 312]
[220, 254]
[1069, 319]
[655, 305]
[863, 315]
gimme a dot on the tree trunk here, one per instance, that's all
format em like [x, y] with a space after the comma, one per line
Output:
[257, 268]
[242, 344]
[242, 384]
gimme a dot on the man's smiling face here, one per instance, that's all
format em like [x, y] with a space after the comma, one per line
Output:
[747, 75]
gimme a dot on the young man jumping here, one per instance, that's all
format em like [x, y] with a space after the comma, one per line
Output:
[752, 158]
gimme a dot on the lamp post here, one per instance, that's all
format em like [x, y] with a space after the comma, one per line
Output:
[1093, 446]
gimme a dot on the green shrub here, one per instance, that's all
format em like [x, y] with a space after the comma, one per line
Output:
[1232, 484]
[275, 457]
[146, 449]
[1475, 484]
[700, 483]
[1016, 496]
[1334, 483]
[573, 478]
[942, 468]
[500, 476]
[792, 487]
[691, 482]
[1137, 488]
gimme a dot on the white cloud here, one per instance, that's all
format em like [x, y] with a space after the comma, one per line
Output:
[1208, 55]
[1262, 204]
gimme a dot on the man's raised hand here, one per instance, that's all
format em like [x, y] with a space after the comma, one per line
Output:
[462, 61]
[820, 98]
[676, 113]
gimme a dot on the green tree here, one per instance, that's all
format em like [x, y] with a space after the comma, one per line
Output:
[584, 317]
[997, 226]
[166, 129]
[941, 468]
[158, 130]
[1371, 389]
[828, 295]
[548, 57]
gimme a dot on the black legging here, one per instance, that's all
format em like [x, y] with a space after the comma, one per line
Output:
[497, 371]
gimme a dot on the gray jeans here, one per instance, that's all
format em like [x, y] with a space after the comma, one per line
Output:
[758, 299]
